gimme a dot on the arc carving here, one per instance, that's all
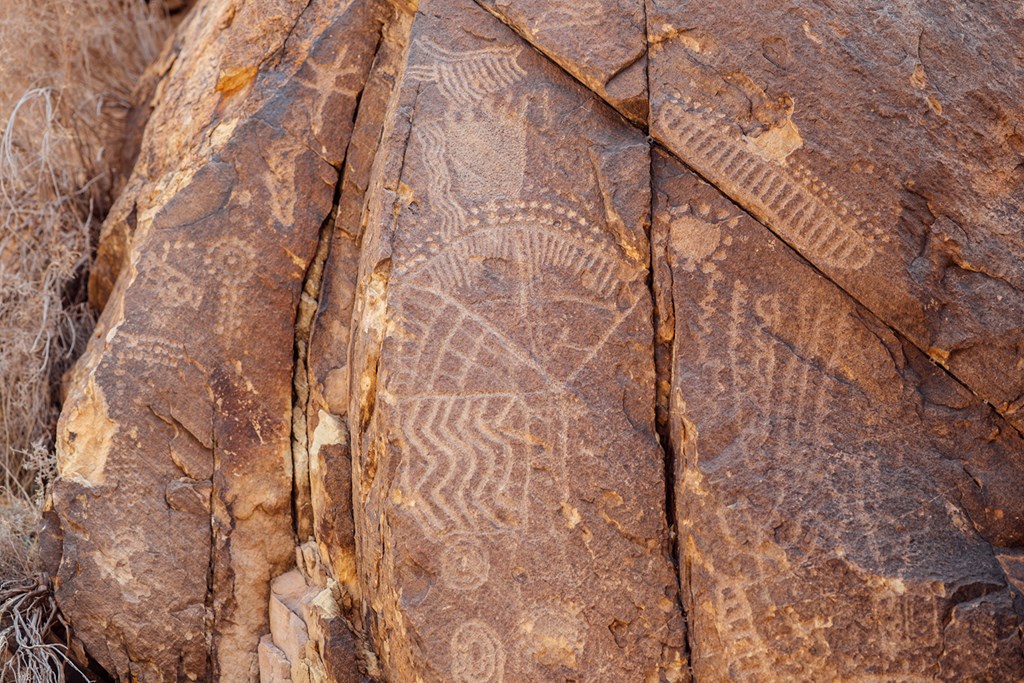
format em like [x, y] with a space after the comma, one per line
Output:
[534, 233]
[786, 195]
[469, 76]
[477, 654]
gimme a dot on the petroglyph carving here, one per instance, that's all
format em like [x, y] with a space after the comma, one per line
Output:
[469, 77]
[508, 291]
[465, 564]
[746, 646]
[176, 288]
[230, 261]
[788, 196]
[471, 471]
[473, 449]
[807, 369]
[537, 234]
[142, 350]
[734, 617]
[477, 654]
[553, 636]
[481, 142]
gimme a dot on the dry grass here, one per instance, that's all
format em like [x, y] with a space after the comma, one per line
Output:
[67, 68]
[28, 619]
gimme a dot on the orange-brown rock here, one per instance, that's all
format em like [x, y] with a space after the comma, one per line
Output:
[509, 487]
[842, 502]
[309, 640]
[602, 43]
[541, 392]
[325, 407]
[175, 445]
[883, 145]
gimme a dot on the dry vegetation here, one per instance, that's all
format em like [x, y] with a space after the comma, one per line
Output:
[67, 68]
[30, 652]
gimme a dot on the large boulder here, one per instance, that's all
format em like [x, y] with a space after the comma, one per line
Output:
[509, 486]
[604, 340]
[175, 444]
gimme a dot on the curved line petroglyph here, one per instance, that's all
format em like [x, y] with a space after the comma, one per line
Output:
[533, 233]
[788, 196]
[465, 564]
[477, 654]
[470, 76]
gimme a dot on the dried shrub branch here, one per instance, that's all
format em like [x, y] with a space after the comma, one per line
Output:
[67, 69]
[28, 620]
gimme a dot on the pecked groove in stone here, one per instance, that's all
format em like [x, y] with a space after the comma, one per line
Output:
[824, 465]
[509, 489]
[903, 193]
[171, 538]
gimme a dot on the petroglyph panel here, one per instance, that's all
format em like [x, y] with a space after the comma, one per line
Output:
[167, 559]
[322, 401]
[600, 42]
[878, 145]
[509, 485]
[813, 217]
[838, 496]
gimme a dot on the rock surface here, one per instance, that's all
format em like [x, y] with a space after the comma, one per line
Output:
[509, 491]
[309, 640]
[883, 144]
[175, 447]
[325, 409]
[408, 285]
[826, 471]
[602, 43]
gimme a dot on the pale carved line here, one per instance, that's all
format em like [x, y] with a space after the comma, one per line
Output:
[788, 195]
[535, 233]
[470, 76]
[477, 654]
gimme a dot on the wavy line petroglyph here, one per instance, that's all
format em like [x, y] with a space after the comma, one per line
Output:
[469, 77]
[456, 454]
[785, 194]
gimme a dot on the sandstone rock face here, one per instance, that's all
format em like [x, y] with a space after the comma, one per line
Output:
[309, 640]
[884, 146]
[325, 408]
[509, 489]
[603, 43]
[175, 444]
[408, 285]
[826, 471]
